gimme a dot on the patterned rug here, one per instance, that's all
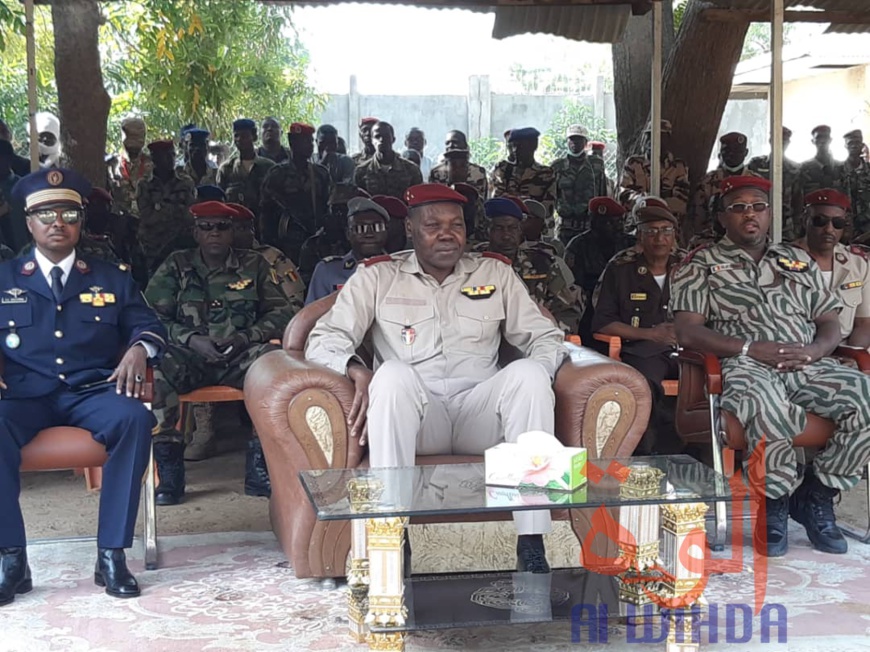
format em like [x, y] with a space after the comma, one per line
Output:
[222, 592]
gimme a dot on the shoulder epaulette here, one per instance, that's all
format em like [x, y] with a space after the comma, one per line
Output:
[329, 259]
[502, 258]
[860, 250]
[368, 262]
[123, 267]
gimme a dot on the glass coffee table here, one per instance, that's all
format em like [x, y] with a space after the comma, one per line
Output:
[655, 507]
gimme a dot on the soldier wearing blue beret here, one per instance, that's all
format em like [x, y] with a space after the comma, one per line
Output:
[65, 322]
[210, 193]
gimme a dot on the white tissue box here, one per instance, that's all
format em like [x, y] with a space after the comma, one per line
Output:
[537, 459]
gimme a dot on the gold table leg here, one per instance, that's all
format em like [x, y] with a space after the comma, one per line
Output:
[358, 582]
[386, 582]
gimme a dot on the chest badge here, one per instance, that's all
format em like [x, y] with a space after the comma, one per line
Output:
[852, 285]
[638, 296]
[408, 335]
[792, 265]
[96, 297]
[13, 341]
[841, 258]
[724, 267]
[478, 291]
[16, 295]
[642, 270]
[242, 284]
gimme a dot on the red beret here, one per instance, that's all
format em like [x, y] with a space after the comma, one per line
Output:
[301, 128]
[606, 207]
[100, 195]
[828, 197]
[213, 209]
[597, 144]
[243, 213]
[730, 184]
[519, 202]
[467, 190]
[393, 205]
[368, 121]
[160, 146]
[733, 138]
[431, 193]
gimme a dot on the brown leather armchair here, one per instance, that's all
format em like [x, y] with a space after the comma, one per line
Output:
[299, 409]
[699, 415]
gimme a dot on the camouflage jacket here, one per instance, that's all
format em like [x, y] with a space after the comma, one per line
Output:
[392, 180]
[856, 184]
[243, 186]
[550, 283]
[675, 184]
[577, 181]
[239, 297]
[792, 201]
[209, 178]
[281, 156]
[816, 174]
[131, 173]
[476, 178]
[359, 158]
[536, 182]
[319, 246]
[701, 220]
[165, 223]
[284, 272]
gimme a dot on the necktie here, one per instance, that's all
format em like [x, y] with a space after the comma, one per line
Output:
[56, 282]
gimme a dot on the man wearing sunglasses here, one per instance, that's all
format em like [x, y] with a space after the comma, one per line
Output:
[221, 307]
[367, 233]
[67, 320]
[845, 270]
[766, 310]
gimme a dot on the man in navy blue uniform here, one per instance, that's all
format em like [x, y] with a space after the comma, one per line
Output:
[65, 322]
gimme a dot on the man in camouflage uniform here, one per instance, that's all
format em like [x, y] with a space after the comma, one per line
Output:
[221, 307]
[821, 171]
[197, 166]
[522, 176]
[294, 197]
[163, 200]
[855, 175]
[242, 175]
[367, 232]
[791, 197]
[768, 313]
[272, 148]
[341, 166]
[134, 167]
[579, 178]
[675, 187]
[331, 238]
[732, 156]
[550, 284]
[385, 172]
[631, 302]
[533, 229]
[365, 136]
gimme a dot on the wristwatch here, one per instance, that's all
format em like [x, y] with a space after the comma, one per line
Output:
[745, 349]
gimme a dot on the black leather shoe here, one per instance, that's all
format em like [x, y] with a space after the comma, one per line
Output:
[14, 574]
[111, 571]
[773, 542]
[812, 505]
[256, 473]
[169, 457]
[531, 556]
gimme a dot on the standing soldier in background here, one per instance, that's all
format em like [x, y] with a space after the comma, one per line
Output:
[196, 164]
[458, 168]
[522, 176]
[135, 165]
[242, 176]
[331, 237]
[821, 171]
[732, 156]
[386, 173]
[596, 151]
[295, 195]
[675, 177]
[579, 178]
[340, 166]
[856, 183]
[163, 200]
[365, 136]
[791, 197]
[272, 148]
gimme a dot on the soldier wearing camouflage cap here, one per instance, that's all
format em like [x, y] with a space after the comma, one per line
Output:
[135, 165]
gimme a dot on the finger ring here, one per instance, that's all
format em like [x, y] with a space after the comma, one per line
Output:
[139, 378]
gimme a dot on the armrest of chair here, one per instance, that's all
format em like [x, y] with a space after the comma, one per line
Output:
[710, 363]
[613, 342]
[860, 356]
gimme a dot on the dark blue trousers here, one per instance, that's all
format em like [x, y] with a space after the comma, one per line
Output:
[123, 425]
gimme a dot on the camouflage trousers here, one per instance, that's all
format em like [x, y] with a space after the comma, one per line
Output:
[182, 371]
[774, 405]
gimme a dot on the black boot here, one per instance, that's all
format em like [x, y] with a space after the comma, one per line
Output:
[812, 505]
[531, 556]
[773, 542]
[14, 574]
[169, 457]
[256, 473]
[111, 571]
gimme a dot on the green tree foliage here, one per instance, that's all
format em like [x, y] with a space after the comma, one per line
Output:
[487, 151]
[174, 62]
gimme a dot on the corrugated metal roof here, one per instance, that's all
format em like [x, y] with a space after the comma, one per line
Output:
[856, 7]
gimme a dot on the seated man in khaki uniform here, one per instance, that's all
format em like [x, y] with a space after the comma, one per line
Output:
[846, 270]
[437, 316]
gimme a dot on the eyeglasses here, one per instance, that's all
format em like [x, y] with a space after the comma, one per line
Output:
[362, 229]
[821, 221]
[50, 215]
[211, 226]
[654, 231]
[757, 207]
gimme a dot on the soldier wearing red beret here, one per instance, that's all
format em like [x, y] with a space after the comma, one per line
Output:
[437, 316]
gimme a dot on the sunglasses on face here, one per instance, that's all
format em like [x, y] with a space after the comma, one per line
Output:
[212, 226]
[362, 229]
[653, 231]
[756, 207]
[49, 215]
[821, 221]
